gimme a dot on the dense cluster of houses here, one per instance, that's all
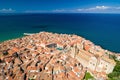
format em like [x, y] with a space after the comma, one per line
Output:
[48, 56]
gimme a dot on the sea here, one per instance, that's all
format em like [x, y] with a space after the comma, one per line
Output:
[101, 29]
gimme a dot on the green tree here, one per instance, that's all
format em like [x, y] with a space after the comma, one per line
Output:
[88, 76]
[115, 75]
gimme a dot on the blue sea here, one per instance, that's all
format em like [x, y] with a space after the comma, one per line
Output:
[102, 29]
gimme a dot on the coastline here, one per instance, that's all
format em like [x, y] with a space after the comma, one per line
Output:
[17, 37]
[30, 34]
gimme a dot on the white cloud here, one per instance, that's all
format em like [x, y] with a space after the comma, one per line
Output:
[6, 10]
[102, 7]
[36, 11]
[80, 9]
[94, 8]
[46, 11]
[99, 9]
[59, 10]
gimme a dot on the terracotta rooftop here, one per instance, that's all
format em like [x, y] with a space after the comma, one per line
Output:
[38, 57]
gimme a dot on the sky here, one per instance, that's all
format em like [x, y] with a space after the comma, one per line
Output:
[59, 6]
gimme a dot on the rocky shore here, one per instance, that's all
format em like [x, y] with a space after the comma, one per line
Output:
[52, 56]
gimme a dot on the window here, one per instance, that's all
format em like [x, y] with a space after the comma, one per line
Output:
[106, 65]
[90, 62]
